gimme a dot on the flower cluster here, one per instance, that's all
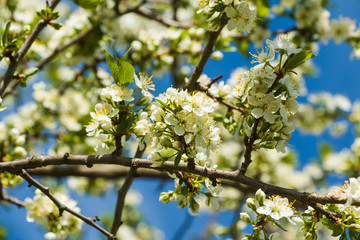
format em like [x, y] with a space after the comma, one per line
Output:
[241, 14]
[269, 93]
[43, 211]
[113, 119]
[268, 210]
[181, 128]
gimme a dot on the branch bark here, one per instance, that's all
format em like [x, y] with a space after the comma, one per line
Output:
[45, 190]
[235, 177]
[14, 62]
[192, 84]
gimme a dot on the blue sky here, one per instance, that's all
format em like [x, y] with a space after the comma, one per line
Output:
[337, 74]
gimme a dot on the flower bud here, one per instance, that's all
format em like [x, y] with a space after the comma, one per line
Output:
[244, 216]
[165, 197]
[165, 142]
[251, 204]
[260, 196]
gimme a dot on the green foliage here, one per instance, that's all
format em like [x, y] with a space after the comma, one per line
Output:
[88, 4]
[121, 70]
[262, 8]
[298, 59]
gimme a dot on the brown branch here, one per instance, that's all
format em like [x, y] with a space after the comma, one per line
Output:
[45, 190]
[77, 39]
[232, 176]
[121, 201]
[192, 84]
[333, 217]
[165, 22]
[249, 147]
[6, 198]
[114, 172]
[14, 61]
[221, 100]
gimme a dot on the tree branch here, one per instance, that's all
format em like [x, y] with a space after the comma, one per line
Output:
[14, 62]
[61, 206]
[192, 84]
[121, 201]
[249, 147]
[78, 38]
[165, 22]
[6, 198]
[235, 177]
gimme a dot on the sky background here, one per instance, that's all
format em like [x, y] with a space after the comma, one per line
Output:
[336, 74]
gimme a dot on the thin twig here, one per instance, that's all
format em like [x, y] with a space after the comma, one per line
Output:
[6, 198]
[45, 190]
[333, 217]
[249, 147]
[14, 62]
[165, 22]
[221, 100]
[192, 84]
[115, 172]
[78, 38]
[232, 176]
[121, 201]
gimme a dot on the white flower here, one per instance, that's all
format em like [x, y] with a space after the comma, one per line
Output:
[277, 208]
[101, 119]
[282, 44]
[265, 106]
[116, 93]
[145, 84]
[242, 17]
[264, 56]
[341, 29]
[350, 190]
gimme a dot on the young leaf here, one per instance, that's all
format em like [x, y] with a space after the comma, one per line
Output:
[2, 108]
[177, 159]
[114, 69]
[126, 72]
[5, 34]
[163, 104]
[298, 59]
[30, 71]
[88, 4]
[126, 55]
[262, 8]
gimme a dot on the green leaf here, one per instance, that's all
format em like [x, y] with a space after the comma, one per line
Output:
[163, 104]
[5, 34]
[114, 69]
[262, 8]
[55, 25]
[177, 159]
[125, 57]
[279, 226]
[325, 149]
[121, 70]
[88, 4]
[2, 108]
[30, 71]
[298, 59]
[127, 73]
